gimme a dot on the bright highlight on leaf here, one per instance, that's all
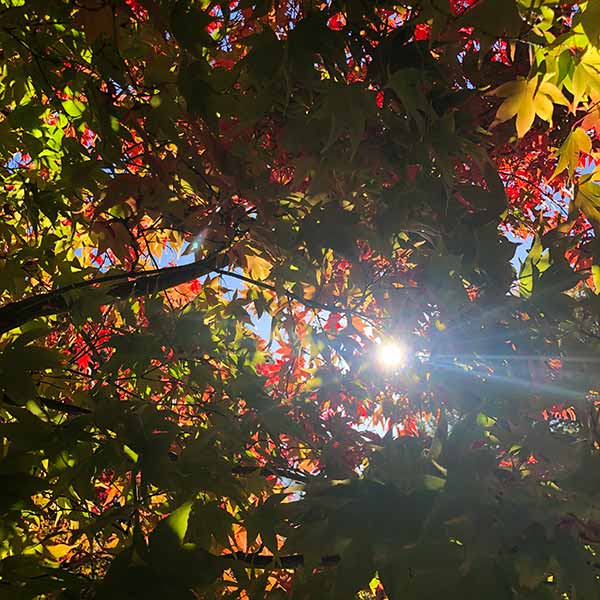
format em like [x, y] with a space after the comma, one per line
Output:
[578, 141]
[526, 99]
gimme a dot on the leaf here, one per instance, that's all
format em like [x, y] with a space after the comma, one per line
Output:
[170, 532]
[587, 199]
[257, 267]
[58, 551]
[406, 83]
[114, 235]
[586, 77]
[536, 263]
[494, 18]
[74, 108]
[590, 21]
[95, 17]
[434, 483]
[596, 278]
[577, 141]
[208, 521]
[16, 366]
[526, 99]
[188, 24]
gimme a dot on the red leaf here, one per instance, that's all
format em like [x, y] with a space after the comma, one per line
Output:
[337, 22]
[422, 32]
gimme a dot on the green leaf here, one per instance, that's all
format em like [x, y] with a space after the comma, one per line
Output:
[188, 24]
[434, 483]
[494, 18]
[577, 141]
[533, 266]
[208, 522]
[587, 199]
[169, 534]
[590, 20]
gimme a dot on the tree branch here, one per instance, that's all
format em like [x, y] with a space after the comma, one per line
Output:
[292, 561]
[305, 301]
[271, 471]
[137, 284]
[126, 285]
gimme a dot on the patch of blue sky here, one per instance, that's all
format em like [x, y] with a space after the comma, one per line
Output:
[15, 162]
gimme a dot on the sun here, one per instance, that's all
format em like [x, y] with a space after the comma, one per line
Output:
[391, 355]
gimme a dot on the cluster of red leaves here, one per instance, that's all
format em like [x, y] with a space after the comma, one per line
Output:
[560, 411]
[337, 22]
[517, 462]
[408, 427]
[138, 9]
[524, 170]
[460, 6]
[287, 370]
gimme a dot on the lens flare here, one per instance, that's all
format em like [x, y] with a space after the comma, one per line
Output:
[391, 355]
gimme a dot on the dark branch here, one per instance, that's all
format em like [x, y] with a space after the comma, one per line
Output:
[137, 284]
[270, 471]
[292, 561]
[125, 285]
[70, 409]
[305, 301]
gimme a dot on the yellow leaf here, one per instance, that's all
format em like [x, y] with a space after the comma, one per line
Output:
[374, 584]
[592, 118]
[257, 267]
[58, 551]
[577, 141]
[587, 200]
[586, 77]
[525, 99]
[309, 291]
[596, 278]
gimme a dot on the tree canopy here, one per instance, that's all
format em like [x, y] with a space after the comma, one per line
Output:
[262, 332]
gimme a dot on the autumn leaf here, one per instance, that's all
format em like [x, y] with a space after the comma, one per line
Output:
[96, 19]
[58, 551]
[257, 267]
[591, 120]
[167, 431]
[586, 77]
[526, 99]
[587, 199]
[577, 141]
[590, 20]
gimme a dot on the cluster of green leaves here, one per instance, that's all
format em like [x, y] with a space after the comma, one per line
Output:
[336, 172]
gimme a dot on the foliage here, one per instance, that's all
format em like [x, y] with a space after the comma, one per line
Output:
[179, 176]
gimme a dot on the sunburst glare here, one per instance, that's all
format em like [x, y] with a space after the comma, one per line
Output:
[391, 355]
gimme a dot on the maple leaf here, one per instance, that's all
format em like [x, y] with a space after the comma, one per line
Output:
[586, 77]
[592, 118]
[330, 153]
[587, 199]
[96, 19]
[258, 267]
[577, 141]
[526, 99]
[590, 21]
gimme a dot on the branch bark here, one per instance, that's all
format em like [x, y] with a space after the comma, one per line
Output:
[292, 561]
[137, 284]
[123, 285]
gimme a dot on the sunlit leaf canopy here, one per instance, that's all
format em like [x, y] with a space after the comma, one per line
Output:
[263, 335]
